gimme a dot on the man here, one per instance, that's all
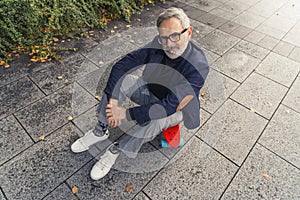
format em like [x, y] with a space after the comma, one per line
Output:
[175, 68]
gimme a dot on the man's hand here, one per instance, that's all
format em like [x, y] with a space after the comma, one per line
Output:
[115, 113]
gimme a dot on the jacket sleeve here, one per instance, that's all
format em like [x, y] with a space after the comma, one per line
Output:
[125, 65]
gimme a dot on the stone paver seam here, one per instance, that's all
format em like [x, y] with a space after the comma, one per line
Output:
[1, 190]
[64, 182]
[141, 191]
[23, 127]
[277, 155]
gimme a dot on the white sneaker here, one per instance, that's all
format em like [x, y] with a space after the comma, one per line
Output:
[103, 166]
[83, 143]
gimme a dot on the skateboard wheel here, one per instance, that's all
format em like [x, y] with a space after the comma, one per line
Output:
[164, 143]
[181, 142]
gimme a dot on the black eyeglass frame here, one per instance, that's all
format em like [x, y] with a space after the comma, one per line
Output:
[166, 38]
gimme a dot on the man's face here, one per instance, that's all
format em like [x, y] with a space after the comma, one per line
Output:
[172, 28]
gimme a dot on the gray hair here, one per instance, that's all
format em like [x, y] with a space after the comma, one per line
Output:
[174, 12]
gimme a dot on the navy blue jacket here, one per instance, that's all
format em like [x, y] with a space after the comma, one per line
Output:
[192, 72]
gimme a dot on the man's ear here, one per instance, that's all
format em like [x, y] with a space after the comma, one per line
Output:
[190, 31]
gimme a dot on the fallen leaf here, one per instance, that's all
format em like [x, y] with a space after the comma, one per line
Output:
[75, 189]
[6, 66]
[42, 137]
[252, 110]
[147, 9]
[34, 59]
[101, 62]
[132, 41]
[128, 187]
[128, 26]
[112, 31]
[203, 94]
[63, 41]
[265, 176]
[55, 39]
[115, 27]
[97, 97]
[28, 65]
[2, 62]
[59, 77]
[70, 118]
[139, 19]
[18, 55]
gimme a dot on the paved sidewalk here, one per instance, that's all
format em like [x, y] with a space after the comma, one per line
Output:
[248, 145]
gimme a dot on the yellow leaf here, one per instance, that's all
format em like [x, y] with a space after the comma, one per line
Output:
[112, 31]
[6, 66]
[132, 41]
[59, 77]
[128, 26]
[97, 97]
[115, 27]
[42, 137]
[128, 187]
[34, 59]
[265, 176]
[101, 62]
[75, 189]
[70, 118]
[55, 39]
[203, 94]
[28, 65]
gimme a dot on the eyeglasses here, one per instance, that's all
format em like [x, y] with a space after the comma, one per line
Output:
[174, 37]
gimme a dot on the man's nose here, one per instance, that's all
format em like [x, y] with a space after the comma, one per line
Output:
[169, 43]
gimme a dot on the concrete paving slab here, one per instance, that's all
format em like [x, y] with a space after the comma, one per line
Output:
[212, 20]
[198, 172]
[241, 31]
[110, 49]
[271, 31]
[292, 99]
[282, 180]
[17, 95]
[51, 112]
[248, 19]
[47, 79]
[62, 192]
[282, 135]
[140, 36]
[283, 48]
[86, 67]
[218, 42]
[290, 10]
[252, 49]
[141, 196]
[236, 64]
[192, 12]
[222, 13]
[293, 35]
[2, 196]
[210, 56]
[254, 37]
[216, 90]
[185, 134]
[235, 7]
[238, 129]
[229, 27]
[43, 167]
[295, 54]
[13, 139]
[268, 42]
[279, 22]
[113, 186]
[279, 68]
[266, 8]
[200, 30]
[260, 94]
[206, 5]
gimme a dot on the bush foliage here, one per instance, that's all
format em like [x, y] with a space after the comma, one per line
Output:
[32, 25]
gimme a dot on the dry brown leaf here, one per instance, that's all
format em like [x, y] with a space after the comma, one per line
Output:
[132, 41]
[128, 26]
[6, 66]
[34, 59]
[59, 77]
[42, 137]
[139, 19]
[70, 118]
[18, 55]
[265, 176]
[128, 187]
[203, 94]
[55, 39]
[75, 189]
[28, 65]
[112, 31]
[97, 97]
[2, 62]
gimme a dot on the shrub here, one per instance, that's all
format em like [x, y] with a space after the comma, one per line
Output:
[32, 25]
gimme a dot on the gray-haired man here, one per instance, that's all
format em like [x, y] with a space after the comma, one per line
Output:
[175, 68]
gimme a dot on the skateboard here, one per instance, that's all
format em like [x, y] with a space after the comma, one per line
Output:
[172, 134]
